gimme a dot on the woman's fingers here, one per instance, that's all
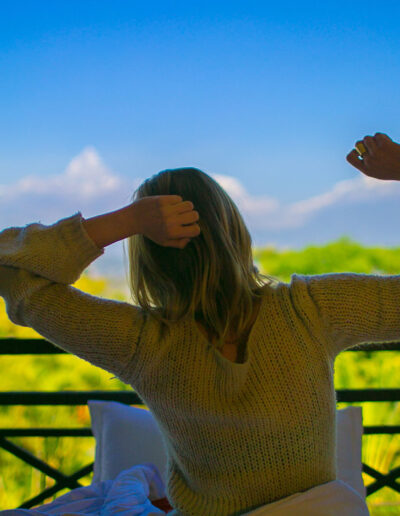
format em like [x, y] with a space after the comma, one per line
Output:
[181, 207]
[370, 145]
[382, 137]
[191, 231]
[188, 217]
[179, 221]
[381, 159]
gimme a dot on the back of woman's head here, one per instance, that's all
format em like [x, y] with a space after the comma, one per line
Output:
[213, 278]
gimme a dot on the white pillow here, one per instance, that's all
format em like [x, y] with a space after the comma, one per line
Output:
[126, 436]
[349, 431]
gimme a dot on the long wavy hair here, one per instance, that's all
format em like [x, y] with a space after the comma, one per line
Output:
[213, 280]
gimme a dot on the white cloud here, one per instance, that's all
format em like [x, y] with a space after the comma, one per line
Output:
[264, 212]
[86, 185]
[93, 177]
[89, 186]
[85, 178]
[260, 205]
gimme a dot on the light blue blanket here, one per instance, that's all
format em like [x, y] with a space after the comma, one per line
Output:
[129, 494]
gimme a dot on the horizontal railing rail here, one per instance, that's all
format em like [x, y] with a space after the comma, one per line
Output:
[13, 346]
[67, 397]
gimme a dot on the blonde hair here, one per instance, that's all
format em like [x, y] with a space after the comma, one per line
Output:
[213, 279]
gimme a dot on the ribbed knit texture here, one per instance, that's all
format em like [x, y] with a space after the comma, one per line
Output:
[237, 436]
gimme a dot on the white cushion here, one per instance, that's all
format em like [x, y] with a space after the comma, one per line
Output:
[127, 436]
[349, 430]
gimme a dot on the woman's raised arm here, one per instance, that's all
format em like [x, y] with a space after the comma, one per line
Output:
[165, 219]
[38, 262]
[103, 332]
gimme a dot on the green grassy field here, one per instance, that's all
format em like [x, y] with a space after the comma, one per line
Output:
[19, 482]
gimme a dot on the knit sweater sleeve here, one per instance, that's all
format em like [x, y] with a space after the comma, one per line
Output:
[37, 263]
[347, 308]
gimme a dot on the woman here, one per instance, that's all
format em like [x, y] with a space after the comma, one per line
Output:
[236, 368]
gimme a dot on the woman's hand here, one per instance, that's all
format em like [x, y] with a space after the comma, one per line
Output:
[166, 219]
[381, 159]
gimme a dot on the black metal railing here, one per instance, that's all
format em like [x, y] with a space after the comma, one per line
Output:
[41, 346]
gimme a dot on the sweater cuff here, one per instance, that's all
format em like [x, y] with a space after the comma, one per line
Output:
[81, 249]
[59, 252]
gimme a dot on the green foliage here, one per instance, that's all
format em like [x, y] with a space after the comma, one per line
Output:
[18, 481]
[343, 255]
[54, 373]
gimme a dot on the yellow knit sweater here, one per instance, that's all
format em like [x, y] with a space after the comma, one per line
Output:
[237, 436]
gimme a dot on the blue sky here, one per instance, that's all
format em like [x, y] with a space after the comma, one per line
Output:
[270, 97]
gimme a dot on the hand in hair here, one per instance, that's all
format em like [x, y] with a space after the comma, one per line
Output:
[381, 158]
[166, 219]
